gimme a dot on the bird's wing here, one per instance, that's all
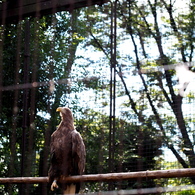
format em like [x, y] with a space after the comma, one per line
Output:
[78, 149]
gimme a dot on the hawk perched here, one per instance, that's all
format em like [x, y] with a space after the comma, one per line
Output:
[67, 153]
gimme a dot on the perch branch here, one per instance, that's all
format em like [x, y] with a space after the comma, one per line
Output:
[188, 172]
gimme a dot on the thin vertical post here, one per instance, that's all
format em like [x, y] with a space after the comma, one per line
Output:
[112, 119]
[1, 65]
[1, 52]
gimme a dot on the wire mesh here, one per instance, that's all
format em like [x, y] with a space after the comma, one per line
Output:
[125, 69]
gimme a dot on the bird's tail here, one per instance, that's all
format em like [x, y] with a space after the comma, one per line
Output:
[71, 189]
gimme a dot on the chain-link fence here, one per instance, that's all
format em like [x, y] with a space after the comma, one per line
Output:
[124, 68]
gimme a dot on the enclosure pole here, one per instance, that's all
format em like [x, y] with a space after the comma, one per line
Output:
[3, 16]
[111, 80]
[1, 64]
[112, 85]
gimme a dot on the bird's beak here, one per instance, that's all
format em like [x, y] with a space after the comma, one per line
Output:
[58, 109]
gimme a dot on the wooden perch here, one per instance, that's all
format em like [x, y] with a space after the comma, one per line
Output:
[188, 172]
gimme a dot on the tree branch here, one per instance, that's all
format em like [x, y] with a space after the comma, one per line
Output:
[179, 158]
[175, 29]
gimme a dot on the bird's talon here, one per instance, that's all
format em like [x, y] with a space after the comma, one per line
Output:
[54, 185]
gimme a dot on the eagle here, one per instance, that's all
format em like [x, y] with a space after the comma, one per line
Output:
[67, 151]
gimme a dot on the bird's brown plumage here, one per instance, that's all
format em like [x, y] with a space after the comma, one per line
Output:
[67, 152]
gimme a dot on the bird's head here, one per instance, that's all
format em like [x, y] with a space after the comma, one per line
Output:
[65, 113]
